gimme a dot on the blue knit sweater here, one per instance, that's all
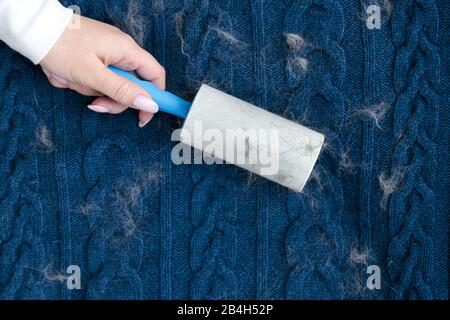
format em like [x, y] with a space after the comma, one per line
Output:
[95, 191]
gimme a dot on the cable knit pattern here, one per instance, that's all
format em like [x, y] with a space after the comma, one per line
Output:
[98, 192]
[314, 242]
[21, 250]
[413, 206]
[213, 247]
[208, 56]
[115, 246]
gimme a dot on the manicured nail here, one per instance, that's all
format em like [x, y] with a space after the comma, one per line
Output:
[99, 109]
[46, 72]
[145, 104]
[144, 123]
[59, 79]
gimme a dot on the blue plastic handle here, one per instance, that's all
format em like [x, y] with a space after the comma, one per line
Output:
[167, 102]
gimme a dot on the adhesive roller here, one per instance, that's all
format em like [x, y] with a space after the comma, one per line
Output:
[263, 143]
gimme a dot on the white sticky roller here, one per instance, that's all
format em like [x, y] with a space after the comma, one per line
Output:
[254, 139]
[229, 129]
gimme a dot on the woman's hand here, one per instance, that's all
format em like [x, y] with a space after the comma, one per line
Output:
[79, 61]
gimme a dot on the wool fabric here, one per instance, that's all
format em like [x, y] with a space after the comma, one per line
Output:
[96, 191]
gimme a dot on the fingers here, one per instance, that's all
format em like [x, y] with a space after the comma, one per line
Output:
[101, 105]
[92, 77]
[85, 91]
[59, 82]
[144, 118]
[107, 105]
[149, 69]
[121, 90]
[133, 58]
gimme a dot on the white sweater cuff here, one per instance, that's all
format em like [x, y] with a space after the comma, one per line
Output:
[32, 27]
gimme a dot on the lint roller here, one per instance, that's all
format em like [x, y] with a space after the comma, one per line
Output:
[253, 138]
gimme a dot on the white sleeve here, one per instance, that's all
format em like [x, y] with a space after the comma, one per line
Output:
[32, 27]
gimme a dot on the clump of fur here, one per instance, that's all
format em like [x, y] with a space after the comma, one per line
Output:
[251, 179]
[179, 20]
[53, 276]
[229, 37]
[125, 197]
[135, 22]
[358, 256]
[390, 184]
[297, 65]
[376, 112]
[43, 139]
[294, 41]
[345, 163]
[233, 42]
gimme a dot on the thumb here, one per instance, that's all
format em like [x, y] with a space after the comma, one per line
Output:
[123, 91]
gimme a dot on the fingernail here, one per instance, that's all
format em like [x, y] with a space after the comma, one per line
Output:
[144, 123]
[59, 79]
[99, 109]
[145, 104]
[46, 72]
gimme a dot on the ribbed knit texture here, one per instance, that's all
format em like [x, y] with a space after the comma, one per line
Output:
[412, 208]
[314, 242]
[94, 190]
